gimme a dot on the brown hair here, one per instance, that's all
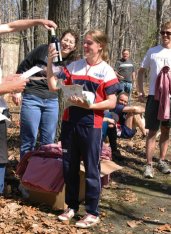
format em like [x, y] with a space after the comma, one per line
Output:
[166, 25]
[125, 50]
[74, 54]
[101, 38]
[122, 93]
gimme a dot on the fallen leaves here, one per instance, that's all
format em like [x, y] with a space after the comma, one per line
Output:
[134, 223]
[163, 229]
[162, 209]
[129, 196]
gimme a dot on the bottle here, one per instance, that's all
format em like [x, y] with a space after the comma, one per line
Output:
[56, 44]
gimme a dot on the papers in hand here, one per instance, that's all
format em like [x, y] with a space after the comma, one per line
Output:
[75, 90]
[31, 72]
[88, 96]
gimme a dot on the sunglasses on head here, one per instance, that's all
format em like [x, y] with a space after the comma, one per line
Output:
[165, 32]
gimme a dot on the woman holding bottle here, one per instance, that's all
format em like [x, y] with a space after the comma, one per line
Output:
[81, 132]
[39, 109]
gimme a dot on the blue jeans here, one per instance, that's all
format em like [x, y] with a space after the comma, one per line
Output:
[2, 177]
[37, 114]
[126, 87]
[105, 125]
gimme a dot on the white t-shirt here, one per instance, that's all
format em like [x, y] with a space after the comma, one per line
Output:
[155, 59]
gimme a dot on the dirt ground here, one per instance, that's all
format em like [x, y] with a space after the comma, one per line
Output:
[130, 204]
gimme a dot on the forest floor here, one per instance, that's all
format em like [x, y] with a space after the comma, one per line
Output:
[130, 204]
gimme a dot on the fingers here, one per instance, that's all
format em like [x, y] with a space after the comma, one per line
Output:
[48, 24]
[52, 52]
[12, 77]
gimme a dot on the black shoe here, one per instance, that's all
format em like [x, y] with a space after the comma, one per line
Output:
[116, 156]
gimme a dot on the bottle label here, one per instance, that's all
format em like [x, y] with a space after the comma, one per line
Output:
[53, 45]
[59, 50]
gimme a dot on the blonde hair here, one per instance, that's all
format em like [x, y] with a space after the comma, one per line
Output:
[101, 38]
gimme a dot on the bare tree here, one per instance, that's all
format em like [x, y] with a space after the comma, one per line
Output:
[59, 11]
[163, 13]
[85, 20]
[38, 9]
[159, 12]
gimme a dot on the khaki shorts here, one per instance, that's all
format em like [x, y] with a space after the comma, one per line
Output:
[151, 112]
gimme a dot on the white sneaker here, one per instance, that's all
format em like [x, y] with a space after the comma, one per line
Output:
[163, 167]
[67, 215]
[87, 221]
[149, 171]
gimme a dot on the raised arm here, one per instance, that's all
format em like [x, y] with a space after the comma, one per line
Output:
[52, 80]
[19, 25]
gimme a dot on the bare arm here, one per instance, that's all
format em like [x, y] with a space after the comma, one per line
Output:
[134, 109]
[52, 80]
[19, 25]
[109, 103]
[119, 76]
[134, 79]
[140, 79]
[16, 85]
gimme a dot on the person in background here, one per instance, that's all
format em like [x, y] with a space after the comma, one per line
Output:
[12, 84]
[82, 124]
[38, 102]
[155, 60]
[121, 122]
[125, 72]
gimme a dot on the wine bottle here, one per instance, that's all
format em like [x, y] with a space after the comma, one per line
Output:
[56, 44]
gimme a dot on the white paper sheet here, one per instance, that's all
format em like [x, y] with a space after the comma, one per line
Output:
[31, 72]
[75, 90]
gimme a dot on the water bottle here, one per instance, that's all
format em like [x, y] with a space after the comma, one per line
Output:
[56, 44]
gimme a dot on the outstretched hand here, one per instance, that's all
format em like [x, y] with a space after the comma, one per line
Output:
[48, 24]
[13, 83]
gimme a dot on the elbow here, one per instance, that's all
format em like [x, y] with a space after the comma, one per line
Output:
[52, 89]
[112, 104]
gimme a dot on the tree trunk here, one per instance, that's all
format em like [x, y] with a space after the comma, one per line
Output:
[85, 20]
[59, 12]
[159, 10]
[40, 35]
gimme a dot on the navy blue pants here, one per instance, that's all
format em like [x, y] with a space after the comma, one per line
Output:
[81, 143]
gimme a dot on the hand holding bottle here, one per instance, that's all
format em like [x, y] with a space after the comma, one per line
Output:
[55, 43]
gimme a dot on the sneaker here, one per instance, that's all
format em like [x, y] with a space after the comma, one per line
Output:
[87, 221]
[149, 171]
[163, 167]
[67, 215]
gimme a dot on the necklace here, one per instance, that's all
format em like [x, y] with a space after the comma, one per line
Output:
[88, 68]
